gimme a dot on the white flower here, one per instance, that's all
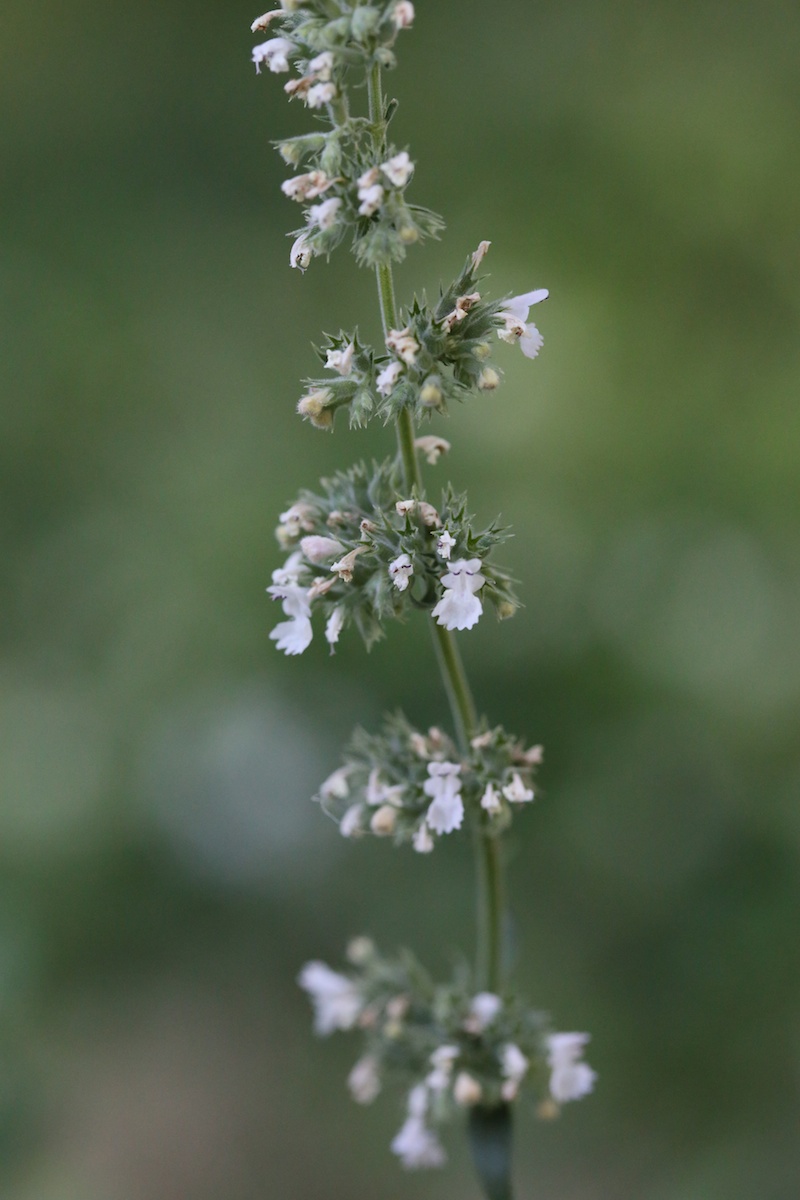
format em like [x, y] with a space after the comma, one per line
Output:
[324, 215]
[403, 344]
[291, 570]
[388, 377]
[513, 1063]
[364, 1080]
[422, 840]
[301, 253]
[318, 549]
[320, 94]
[569, 1078]
[400, 571]
[292, 636]
[341, 360]
[345, 566]
[488, 380]
[480, 254]
[466, 1090]
[444, 544]
[442, 1061]
[336, 787]
[444, 787]
[432, 447]
[403, 14]
[350, 824]
[321, 66]
[336, 999]
[483, 1009]
[306, 187]
[399, 169]
[490, 800]
[463, 306]
[371, 199]
[263, 21]
[334, 625]
[515, 315]
[516, 792]
[459, 607]
[416, 1145]
[298, 517]
[274, 53]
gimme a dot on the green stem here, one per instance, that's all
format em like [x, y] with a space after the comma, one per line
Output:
[465, 716]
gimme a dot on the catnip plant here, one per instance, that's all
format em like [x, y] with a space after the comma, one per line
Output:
[376, 542]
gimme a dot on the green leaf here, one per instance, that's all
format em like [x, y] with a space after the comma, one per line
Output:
[489, 1131]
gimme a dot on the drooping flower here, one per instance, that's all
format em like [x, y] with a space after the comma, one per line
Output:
[322, 66]
[415, 1145]
[516, 326]
[569, 1078]
[516, 792]
[432, 447]
[403, 343]
[320, 94]
[301, 253]
[336, 999]
[388, 377]
[459, 607]
[336, 786]
[400, 570]
[422, 840]
[403, 14]
[345, 566]
[399, 169]
[490, 800]
[292, 636]
[350, 824]
[364, 1080]
[334, 625]
[446, 813]
[265, 19]
[274, 53]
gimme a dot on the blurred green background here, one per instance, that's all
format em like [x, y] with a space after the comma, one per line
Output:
[163, 872]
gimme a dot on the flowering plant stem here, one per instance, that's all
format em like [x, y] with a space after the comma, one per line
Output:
[489, 866]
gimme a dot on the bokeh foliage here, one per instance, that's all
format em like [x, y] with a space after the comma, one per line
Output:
[163, 873]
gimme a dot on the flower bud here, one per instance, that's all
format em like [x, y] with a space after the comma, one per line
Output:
[488, 379]
[482, 351]
[506, 609]
[359, 950]
[364, 21]
[384, 821]
[430, 393]
[548, 1110]
[319, 549]
[403, 14]
[466, 1090]
[314, 403]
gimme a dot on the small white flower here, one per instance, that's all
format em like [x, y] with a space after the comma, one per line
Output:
[364, 1080]
[516, 792]
[513, 1063]
[336, 787]
[291, 570]
[466, 1090]
[306, 187]
[274, 53]
[321, 66]
[569, 1078]
[442, 1061]
[319, 549]
[264, 20]
[432, 447]
[336, 999]
[301, 253]
[483, 1009]
[459, 607]
[292, 636]
[463, 306]
[350, 824]
[416, 1145]
[422, 840]
[480, 254]
[323, 215]
[490, 800]
[298, 517]
[488, 380]
[517, 328]
[446, 813]
[403, 14]
[444, 544]
[320, 94]
[400, 571]
[402, 343]
[371, 199]
[399, 169]
[334, 626]
[388, 377]
[341, 360]
[346, 564]
[428, 514]
[370, 176]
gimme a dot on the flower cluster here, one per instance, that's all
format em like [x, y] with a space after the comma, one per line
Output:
[452, 1048]
[360, 554]
[416, 787]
